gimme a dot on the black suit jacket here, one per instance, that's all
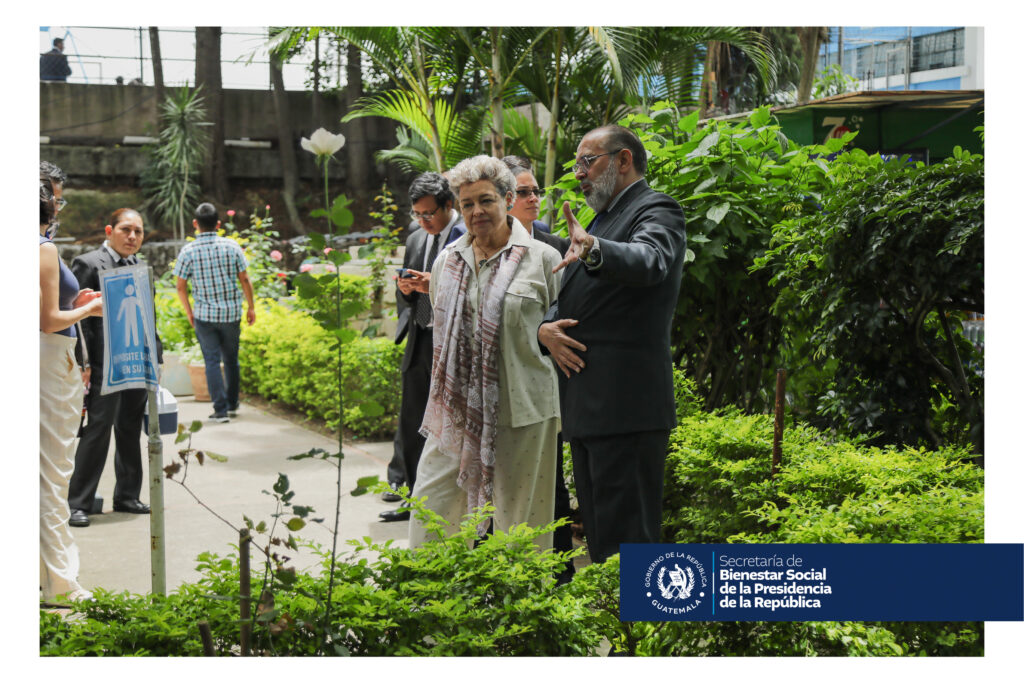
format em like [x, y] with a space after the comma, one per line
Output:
[625, 310]
[86, 269]
[415, 252]
[559, 243]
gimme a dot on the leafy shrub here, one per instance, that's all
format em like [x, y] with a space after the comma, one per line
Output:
[880, 279]
[286, 356]
[718, 490]
[444, 598]
[171, 320]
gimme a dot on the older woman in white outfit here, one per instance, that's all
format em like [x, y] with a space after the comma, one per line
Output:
[492, 417]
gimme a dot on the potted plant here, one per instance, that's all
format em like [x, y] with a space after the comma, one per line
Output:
[192, 357]
[174, 372]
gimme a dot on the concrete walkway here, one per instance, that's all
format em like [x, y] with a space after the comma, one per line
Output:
[115, 547]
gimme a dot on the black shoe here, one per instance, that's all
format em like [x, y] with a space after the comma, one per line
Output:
[136, 507]
[78, 518]
[392, 495]
[399, 515]
[233, 411]
[219, 417]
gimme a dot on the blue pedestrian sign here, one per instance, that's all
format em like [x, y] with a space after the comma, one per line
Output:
[129, 330]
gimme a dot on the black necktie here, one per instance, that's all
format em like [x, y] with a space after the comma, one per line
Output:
[424, 312]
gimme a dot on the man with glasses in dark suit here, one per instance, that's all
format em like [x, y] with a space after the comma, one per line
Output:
[438, 225]
[608, 332]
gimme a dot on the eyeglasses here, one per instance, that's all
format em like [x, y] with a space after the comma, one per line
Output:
[426, 215]
[584, 162]
[523, 194]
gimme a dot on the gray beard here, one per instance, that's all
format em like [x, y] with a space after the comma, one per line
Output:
[601, 190]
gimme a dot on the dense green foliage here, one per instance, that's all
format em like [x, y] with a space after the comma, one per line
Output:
[286, 356]
[171, 320]
[445, 598]
[879, 281]
[718, 490]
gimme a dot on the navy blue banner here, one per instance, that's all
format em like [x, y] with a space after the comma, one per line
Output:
[828, 582]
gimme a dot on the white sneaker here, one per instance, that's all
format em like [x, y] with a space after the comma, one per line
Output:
[79, 594]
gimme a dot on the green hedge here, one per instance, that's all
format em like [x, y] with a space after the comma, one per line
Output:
[444, 598]
[286, 356]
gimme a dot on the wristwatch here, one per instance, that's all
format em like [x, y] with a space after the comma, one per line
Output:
[592, 259]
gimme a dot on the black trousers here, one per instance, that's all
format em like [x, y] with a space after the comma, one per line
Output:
[415, 392]
[561, 540]
[122, 411]
[619, 484]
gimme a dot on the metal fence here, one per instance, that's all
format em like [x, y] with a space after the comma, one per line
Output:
[121, 55]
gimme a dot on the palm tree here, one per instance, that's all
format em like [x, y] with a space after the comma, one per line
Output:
[500, 52]
[170, 179]
[408, 56]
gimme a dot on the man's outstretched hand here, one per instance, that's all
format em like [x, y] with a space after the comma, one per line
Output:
[561, 345]
[580, 241]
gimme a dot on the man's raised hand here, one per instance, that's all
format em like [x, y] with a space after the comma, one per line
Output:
[579, 240]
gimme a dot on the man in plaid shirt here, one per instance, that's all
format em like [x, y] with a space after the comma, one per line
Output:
[213, 263]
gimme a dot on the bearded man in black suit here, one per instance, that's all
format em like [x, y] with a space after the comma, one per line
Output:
[121, 410]
[438, 226]
[608, 332]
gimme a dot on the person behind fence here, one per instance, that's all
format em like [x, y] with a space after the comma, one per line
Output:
[53, 65]
[492, 414]
[121, 410]
[213, 264]
[61, 388]
[609, 334]
[436, 224]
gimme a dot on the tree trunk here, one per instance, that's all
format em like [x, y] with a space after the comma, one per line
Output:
[552, 152]
[497, 104]
[318, 104]
[708, 81]
[810, 41]
[158, 69]
[214, 175]
[355, 133]
[421, 71]
[286, 146]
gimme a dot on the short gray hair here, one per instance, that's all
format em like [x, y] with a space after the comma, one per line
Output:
[482, 167]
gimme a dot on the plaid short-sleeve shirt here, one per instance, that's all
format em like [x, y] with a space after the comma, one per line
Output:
[212, 264]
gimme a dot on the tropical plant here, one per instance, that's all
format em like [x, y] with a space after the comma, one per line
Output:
[881, 278]
[500, 52]
[833, 82]
[170, 179]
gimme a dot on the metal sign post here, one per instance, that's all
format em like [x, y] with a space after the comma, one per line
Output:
[157, 556]
[129, 362]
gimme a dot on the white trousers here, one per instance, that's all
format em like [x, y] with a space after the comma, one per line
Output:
[60, 410]
[524, 481]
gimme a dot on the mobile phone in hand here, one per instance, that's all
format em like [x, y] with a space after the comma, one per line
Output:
[403, 272]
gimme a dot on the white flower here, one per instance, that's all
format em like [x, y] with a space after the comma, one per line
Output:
[323, 143]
